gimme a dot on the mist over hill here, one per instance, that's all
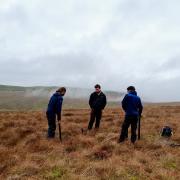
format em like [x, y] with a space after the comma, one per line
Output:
[36, 97]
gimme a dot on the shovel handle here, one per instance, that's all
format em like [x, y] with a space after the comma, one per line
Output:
[139, 128]
[60, 137]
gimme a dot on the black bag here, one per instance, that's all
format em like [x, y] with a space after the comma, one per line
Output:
[166, 131]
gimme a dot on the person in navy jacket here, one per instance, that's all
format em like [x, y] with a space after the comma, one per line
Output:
[133, 108]
[54, 110]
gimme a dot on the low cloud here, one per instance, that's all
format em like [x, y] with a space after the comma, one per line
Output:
[114, 43]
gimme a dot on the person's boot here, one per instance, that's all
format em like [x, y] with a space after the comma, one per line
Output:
[120, 140]
[84, 131]
[133, 142]
[50, 137]
[96, 130]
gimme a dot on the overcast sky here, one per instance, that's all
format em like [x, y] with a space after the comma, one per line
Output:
[79, 43]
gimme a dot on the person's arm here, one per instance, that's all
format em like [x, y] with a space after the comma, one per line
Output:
[91, 101]
[140, 107]
[124, 103]
[59, 108]
[104, 102]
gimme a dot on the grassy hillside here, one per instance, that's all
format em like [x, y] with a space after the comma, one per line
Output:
[27, 154]
[24, 89]
[36, 98]
[11, 88]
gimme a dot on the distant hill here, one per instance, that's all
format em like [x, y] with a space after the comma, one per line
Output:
[36, 97]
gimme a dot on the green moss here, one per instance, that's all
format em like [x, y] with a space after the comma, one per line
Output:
[170, 164]
[56, 173]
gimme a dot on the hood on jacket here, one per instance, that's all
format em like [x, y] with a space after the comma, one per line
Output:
[57, 94]
[133, 93]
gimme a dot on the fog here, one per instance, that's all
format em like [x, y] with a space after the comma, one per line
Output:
[80, 43]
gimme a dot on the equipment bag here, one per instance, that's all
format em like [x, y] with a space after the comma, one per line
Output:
[166, 131]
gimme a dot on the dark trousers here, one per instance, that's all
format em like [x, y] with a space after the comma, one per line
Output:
[51, 124]
[95, 115]
[129, 120]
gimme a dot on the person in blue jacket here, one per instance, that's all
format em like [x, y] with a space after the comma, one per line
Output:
[54, 110]
[133, 108]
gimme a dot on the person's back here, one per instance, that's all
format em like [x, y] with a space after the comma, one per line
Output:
[132, 104]
[55, 103]
[54, 110]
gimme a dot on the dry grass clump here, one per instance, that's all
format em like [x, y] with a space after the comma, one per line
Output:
[25, 153]
[103, 152]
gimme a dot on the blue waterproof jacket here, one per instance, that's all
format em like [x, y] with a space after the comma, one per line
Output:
[55, 105]
[132, 105]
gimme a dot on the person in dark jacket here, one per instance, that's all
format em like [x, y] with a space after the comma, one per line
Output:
[132, 106]
[54, 110]
[97, 103]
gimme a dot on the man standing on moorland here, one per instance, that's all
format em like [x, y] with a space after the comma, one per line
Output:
[132, 106]
[97, 103]
[54, 110]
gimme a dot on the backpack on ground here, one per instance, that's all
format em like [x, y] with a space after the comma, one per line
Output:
[166, 131]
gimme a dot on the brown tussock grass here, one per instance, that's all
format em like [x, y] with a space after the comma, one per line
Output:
[25, 153]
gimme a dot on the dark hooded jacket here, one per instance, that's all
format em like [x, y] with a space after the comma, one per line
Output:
[55, 105]
[97, 101]
[132, 105]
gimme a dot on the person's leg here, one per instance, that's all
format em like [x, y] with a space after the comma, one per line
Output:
[126, 134]
[134, 122]
[124, 129]
[52, 125]
[98, 115]
[92, 119]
